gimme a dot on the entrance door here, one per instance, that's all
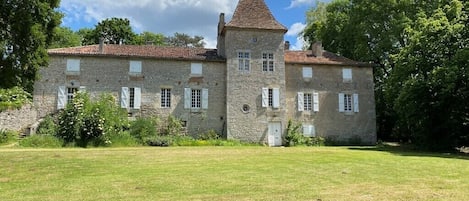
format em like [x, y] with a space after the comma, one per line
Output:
[275, 134]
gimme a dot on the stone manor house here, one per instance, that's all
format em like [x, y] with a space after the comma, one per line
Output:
[247, 89]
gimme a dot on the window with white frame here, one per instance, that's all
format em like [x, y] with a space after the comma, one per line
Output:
[268, 62]
[309, 130]
[244, 61]
[307, 72]
[271, 97]
[308, 101]
[347, 74]
[195, 98]
[73, 66]
[348, 103]
[131, 98]
[135, 68]
[66, 95]
[165, 98]
[196, 69]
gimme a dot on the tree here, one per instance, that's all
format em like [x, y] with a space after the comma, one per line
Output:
[87, 36]
[114, 31]
[65, 37]
[184, 40]
[26, 30]
[146, 38]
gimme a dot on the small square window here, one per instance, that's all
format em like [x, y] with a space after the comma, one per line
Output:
[73, 66]
[347, 74]
[135, 67]
[196, 69]
[307, 72]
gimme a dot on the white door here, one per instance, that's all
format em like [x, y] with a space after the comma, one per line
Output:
[275, 134]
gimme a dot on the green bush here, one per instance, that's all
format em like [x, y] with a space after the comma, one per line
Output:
[85, 122]
[210, 135]
[47, 126]
[13, 98]
[7, 136]
[173, 126]
[143, 129]
[41, 141]
[160, 141]
[294, 137]
[123, 139]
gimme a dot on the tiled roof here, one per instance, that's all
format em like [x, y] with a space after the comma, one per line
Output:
[143, 51]
[254, 14]
[328, 58]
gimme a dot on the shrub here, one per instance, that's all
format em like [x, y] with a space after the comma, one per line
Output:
[210, 135]
[123, 139]
[173, 126]
[294, 136]
[7, 136]
[13, 98]
[47, 127]
[160, 141]
[41, 141]
[85, 122]
[143, 129]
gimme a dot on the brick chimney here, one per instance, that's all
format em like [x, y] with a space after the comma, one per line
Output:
[317, 48]
[101, 45]
[287, 45]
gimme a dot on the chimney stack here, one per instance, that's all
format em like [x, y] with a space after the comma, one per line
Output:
[287, 45]
[317, 48]
[101, 45]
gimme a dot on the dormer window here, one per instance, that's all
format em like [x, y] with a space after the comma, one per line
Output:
[135, 68]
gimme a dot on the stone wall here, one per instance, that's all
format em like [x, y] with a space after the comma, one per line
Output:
[18, 119]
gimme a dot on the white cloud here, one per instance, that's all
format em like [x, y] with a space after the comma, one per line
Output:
[298, 3]
[295, 31]
[193, 17]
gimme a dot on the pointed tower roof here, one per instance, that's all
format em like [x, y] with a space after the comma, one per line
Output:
[254, 14]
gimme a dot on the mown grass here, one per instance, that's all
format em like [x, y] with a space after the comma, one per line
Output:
[231, 173]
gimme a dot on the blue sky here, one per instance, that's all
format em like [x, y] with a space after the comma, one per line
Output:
[193, 17]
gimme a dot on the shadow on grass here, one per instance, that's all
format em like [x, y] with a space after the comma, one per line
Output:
[409, 150]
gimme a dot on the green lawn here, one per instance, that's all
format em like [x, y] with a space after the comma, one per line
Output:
[231, 173]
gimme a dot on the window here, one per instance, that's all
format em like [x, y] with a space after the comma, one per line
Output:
[73, 66]
[309, 130]
[308, 101]
[271, 97]
[244, 59]
[195, 98]
[348, 103]
[135, 68]
[347, 74]
[66, 94]
[165, 98]
[196, 69]
[268, 62]
[307, 72]
[131, 98]
[71, 93]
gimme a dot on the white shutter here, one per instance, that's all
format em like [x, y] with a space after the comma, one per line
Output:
[341, 103]
[61, 98]
[307, 72]
[187, 98]
[125, 97]
[73, 65]
[265, 97]
[309, 130]
[316, 101]
[276, 98]
[347, 74]
[355, 103]
[301, 103]
[306, 130]
[312, 130]
[82, 89]
[137, 98]
[204, 98]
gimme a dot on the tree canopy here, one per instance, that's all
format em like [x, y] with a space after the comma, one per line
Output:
[420, 48]
[26, 30]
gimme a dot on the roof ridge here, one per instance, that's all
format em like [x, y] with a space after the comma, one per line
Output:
[254, 14]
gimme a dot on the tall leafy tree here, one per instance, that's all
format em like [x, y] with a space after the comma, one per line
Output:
[147, 38]
[88, 36]
[65, 37]
[184, 40]
[26, 30]
[114, 31]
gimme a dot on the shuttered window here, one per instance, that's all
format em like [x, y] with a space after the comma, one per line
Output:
[131, 98]
[271, 97]
[348, 103]
[308, 101]
[195, 98]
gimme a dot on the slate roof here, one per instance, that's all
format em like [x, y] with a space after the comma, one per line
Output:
[328, 58]
[254, 14]
[142, 51]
